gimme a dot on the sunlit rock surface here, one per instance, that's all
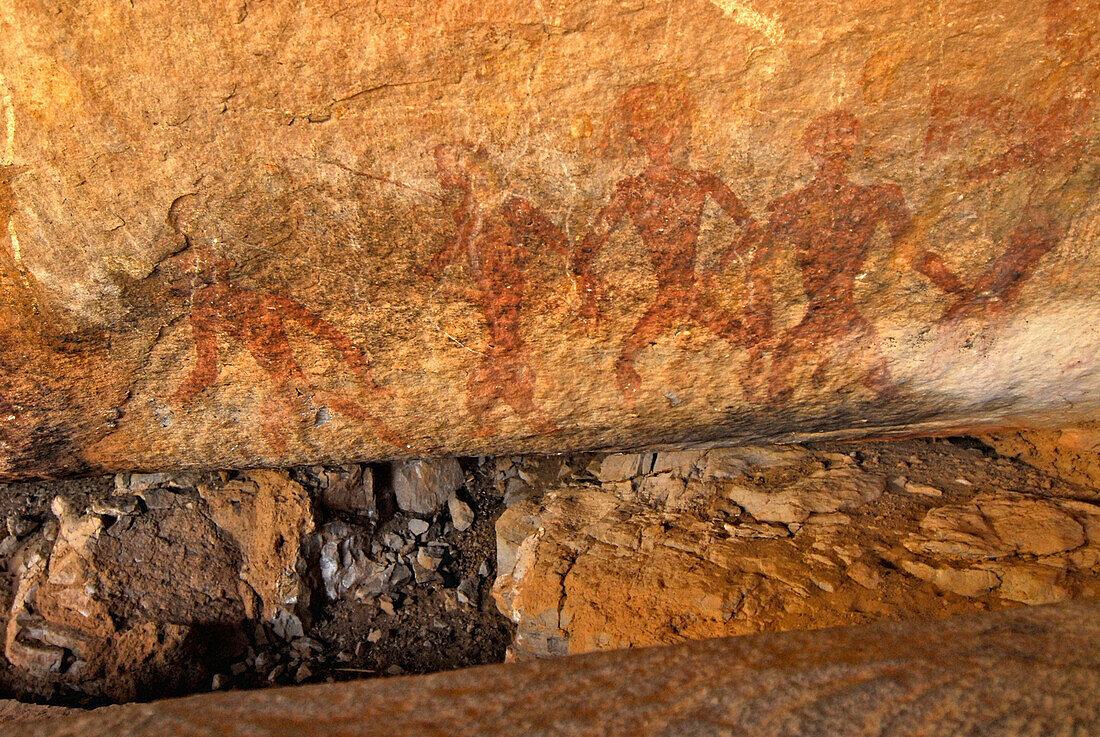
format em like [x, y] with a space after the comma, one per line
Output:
[648, 549]
[255, 234]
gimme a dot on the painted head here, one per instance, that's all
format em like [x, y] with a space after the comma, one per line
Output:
[1073, 28]
[189, 217]
[185, 215]
[458, 163]
[657, 117]
[831, 139]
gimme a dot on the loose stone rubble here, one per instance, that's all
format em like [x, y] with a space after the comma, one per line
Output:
[172, 583]
[643, 549]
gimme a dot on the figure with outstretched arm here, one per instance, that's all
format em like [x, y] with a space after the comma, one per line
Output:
[830, 225]
[498, 234]
[665, 204]
[257, 320]
[1048, 137]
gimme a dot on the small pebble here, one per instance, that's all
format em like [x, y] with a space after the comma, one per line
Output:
[426, 559]
[418, 526]
[461, 514]
[20, 525]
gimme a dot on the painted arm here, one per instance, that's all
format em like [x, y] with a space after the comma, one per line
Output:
[761, 241]
[895, 211]
[606, 222]
[458, 244]
[729, 202]
[288, 308]
[751, 234]
[950, 109]
[908, 251]
[206, 361]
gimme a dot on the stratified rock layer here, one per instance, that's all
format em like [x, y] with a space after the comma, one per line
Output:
[255, 234]
[1024, 672]
[650, 549]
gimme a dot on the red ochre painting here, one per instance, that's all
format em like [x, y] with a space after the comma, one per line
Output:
[755, 228]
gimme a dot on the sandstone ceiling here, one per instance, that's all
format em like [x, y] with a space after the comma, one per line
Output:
[240, 233]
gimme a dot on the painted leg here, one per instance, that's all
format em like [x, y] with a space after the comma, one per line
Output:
[520, 396]
[206, 364]
[483, 395]
[666, 309]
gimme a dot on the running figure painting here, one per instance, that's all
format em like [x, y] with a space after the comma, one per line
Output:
[498, 233]
[665, 205]
[222, 310]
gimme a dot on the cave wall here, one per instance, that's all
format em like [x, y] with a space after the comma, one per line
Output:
[238, 234]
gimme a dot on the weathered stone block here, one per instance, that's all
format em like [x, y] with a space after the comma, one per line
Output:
[266, 235]
[1028, 671]
[761, 539]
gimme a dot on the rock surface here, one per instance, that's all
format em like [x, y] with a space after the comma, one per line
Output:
[127, 591]
[1072, 453]
[742, 540]
[423, 486]
[1029, 671]
[16, 712]
[251, 234]
[147, 585]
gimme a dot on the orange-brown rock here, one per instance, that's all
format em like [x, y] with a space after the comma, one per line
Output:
[129, 593]
[1072, 453]
[250, 234]
[1029, 671]
[661, 548]
[17, 712]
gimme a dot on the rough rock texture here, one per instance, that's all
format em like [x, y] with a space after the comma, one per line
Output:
[423, 486]
[1024, 672]
[1072, 453]
[250, 234]
[126, 593]
[660, 548]
[16, 712]
[148, 585]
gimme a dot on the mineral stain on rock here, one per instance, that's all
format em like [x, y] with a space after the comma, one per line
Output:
[780, 233]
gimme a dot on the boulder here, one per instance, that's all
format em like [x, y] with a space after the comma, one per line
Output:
[265, 235]
[1023, 672]
[118, 600]
[423, 486]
